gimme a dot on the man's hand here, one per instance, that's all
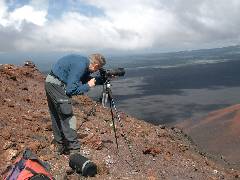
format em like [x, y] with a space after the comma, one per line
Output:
[92, 82]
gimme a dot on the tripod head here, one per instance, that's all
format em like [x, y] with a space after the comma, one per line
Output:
[106, 75]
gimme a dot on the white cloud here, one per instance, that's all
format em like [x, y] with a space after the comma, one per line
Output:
[28, 14]
[3, 10]
[25, 14]
[126, 25]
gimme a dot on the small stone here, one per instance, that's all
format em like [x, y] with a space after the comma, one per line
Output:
[48, 126]
[14, 78]
[152, 150]
[26, 117]
[215, 171]
[87, 129]
[25, 88]
[46, 157]
[11, 105]
[97, 144]
[34, 146]
[27, 100]
[69, 170]
[168, 156]
[29, 63]
[86, 152]
[102, 169]
[10, 154]
[151, 178]
[161, 126]
[176, 130]
[82, 135]
[5, 134]
[109, 160]
[7, 99]
[8, 145]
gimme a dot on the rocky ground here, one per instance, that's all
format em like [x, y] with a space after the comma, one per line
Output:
[156, 152]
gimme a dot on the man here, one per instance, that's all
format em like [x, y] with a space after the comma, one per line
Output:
[69, 76]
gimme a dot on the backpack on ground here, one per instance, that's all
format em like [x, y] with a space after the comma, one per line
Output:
[29, 167]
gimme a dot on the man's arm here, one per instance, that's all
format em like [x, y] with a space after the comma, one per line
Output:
[74, 85]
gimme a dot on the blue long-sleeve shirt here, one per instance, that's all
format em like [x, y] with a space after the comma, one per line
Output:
[73, 71]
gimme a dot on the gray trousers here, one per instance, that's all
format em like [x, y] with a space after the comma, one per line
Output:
[60, 108]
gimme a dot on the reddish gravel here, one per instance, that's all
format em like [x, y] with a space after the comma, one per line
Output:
[159, 152]
[218, 134]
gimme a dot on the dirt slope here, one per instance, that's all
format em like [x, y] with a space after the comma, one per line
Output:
[218, 133]
[159, 152]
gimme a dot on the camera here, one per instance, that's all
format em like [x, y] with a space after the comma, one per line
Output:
[108, 73]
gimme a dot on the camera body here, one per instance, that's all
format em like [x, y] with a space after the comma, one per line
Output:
[108, 73]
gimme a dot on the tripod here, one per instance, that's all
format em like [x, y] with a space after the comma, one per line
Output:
[107, 96]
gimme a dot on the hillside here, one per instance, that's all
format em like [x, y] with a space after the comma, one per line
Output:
[159, 152]
[218, 133]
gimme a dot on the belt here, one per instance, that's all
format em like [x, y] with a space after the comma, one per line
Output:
[56, 77]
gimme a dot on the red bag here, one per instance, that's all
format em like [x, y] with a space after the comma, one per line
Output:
[29, 167]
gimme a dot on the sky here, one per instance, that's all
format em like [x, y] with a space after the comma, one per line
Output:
[117, 26]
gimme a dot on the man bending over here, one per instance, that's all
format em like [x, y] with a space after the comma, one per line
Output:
[69, 76]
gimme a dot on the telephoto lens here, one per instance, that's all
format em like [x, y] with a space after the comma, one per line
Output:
[82, 165]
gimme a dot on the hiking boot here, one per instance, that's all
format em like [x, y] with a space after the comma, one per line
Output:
[74, 151]
[59, 148]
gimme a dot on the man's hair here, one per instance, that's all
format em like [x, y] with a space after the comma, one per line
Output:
[98, 59]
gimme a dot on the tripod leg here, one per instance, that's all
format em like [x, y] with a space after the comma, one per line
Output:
[114, 127]
[104, 99]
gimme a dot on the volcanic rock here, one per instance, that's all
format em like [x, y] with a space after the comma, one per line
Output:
[9, 154]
